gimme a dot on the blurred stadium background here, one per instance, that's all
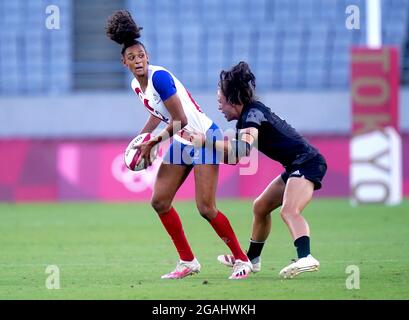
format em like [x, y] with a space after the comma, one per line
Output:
[67, 112]
[67, 109]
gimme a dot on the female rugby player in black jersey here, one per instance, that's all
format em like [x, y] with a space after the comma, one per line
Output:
[304, 167]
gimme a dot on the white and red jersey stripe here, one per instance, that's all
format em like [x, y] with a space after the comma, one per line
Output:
[197, 121]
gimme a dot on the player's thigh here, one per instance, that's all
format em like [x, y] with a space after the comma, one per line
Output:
[298, 193]
[206, 176]
[271, 198]
[168, 181]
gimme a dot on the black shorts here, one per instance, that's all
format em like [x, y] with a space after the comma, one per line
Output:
[313, 170]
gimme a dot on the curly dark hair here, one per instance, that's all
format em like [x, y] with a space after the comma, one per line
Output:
[238, 84]
[121, 28]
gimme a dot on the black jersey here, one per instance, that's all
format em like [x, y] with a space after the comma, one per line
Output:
[276, 138]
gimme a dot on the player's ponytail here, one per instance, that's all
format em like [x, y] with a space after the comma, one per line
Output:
[122, 29]
[238, 84]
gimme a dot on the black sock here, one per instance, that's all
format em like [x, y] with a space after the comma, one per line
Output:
[255, 249]
[303, 246]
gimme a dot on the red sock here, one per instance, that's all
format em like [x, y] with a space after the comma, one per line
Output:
[223, 228]
[173, 226]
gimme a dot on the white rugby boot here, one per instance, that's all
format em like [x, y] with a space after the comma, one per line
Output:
[241, 270]
[307, 264]
[228, 260]
[183, 269]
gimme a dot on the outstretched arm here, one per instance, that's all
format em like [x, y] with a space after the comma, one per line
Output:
[233, 150]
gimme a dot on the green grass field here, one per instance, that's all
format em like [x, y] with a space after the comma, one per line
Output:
[119, 251]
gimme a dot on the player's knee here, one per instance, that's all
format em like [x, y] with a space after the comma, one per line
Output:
[160, 205]
[207, 211]
[289, 212]
[259, 209]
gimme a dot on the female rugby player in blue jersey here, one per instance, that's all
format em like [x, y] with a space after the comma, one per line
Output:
[293, 189]
[167, 100]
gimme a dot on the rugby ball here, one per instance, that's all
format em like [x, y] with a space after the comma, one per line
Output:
[132, 155]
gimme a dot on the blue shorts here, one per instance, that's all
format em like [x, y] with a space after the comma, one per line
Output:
[187, 155]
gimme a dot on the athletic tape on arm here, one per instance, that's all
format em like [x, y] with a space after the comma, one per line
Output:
[240, 148]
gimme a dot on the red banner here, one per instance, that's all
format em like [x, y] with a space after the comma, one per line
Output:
[374, 89]
[376, 153]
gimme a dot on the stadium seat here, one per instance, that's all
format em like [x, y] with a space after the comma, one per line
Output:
[189, 12]
[288, 43]
[213, 13]
[242, 45]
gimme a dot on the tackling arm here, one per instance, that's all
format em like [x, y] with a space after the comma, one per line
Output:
[234, 150]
